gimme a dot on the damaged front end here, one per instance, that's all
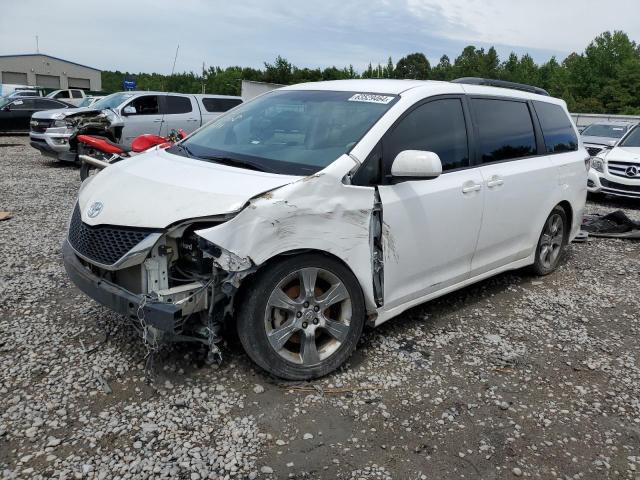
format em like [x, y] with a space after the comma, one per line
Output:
[179, 283]
[172, 284]
[104, 123]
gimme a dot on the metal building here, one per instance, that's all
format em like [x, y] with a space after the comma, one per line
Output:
[37, 69]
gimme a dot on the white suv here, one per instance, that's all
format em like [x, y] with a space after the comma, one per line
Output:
[317, 208]
[616, 171]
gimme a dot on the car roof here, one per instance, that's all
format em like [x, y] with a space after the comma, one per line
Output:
[615, 123]
[392, 87]
[198, 95]
[397, 87]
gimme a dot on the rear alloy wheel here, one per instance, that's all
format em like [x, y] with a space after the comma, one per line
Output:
[302, 318]
[552, 242]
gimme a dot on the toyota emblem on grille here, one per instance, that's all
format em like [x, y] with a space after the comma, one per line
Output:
[631, 171]
[94, 210]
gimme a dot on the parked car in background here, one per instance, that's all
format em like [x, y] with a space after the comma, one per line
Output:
[317, 208]
[123, 116]
[15, 113]
[600, 135]
[26, 92]
[74, 96]
[616, 171]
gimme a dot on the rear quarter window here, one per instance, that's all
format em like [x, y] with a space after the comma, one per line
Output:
[558, 133]
[220, 104]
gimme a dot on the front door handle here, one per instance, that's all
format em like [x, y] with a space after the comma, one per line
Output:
[494, 181]
[471, 187]
[157, 120]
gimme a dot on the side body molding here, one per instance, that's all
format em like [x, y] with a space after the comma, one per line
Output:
[318, 212]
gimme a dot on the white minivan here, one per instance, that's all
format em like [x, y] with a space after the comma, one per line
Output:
[315, 209]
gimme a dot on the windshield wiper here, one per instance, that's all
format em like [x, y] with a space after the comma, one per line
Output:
[232, 162]
[184, 149]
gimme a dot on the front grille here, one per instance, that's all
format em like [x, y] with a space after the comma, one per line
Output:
[104, 244]
[620, 169]
[593, 151]
[40, 125]
[620, 186]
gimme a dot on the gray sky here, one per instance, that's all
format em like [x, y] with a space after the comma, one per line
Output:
[141, 35]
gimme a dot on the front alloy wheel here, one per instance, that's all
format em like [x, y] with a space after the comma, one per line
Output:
[311, 317]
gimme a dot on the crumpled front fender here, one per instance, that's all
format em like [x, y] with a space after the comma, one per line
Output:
[318, 212]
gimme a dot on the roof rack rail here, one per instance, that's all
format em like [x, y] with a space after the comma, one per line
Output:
[501, 84]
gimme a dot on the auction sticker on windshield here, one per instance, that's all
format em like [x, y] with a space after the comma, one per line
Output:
[370, 98]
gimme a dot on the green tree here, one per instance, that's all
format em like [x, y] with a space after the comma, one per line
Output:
[414, 65]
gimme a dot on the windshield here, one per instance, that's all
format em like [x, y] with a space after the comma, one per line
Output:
[608, 131]
[86, 102]
[294, 132]
[111, 101]
[633, 139]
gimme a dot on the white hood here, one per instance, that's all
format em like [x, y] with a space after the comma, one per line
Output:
[156, 189]
[624, 154]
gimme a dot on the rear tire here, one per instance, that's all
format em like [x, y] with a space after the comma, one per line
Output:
[552, 242]
[302, 317]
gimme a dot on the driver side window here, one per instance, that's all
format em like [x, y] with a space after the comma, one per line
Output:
[145, 105]
[437, 126]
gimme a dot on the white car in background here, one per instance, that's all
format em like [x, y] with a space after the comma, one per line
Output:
[601, 135]
[616, 171]
[316, 208]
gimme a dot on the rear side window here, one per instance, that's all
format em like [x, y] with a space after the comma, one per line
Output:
[557, 130]
[505, 129]
[23, 104]
[76, 93]
[220, 104]
[436, 126]
[177, 104]
[43, 104]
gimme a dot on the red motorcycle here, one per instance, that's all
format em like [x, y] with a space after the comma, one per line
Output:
[96, 152]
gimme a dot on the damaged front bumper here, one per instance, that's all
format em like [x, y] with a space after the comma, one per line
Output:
[53, 144]
[164, 316]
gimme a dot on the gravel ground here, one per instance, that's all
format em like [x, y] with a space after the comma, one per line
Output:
[514, 377]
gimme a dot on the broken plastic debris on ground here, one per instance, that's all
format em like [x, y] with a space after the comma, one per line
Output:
[612, 225]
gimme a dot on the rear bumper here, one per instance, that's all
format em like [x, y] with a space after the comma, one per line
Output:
[163, 316]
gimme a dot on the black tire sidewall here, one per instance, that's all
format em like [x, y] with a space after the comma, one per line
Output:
[250, 323]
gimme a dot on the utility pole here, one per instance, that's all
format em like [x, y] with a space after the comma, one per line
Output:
[203, 92]
[174, 60]
[37, 46]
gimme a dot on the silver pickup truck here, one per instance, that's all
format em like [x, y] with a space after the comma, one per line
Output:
[125, 115]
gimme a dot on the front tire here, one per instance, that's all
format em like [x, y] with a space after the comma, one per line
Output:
[301, 318]
[551, 243]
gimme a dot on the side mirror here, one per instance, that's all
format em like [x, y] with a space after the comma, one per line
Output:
[416, 165]
[129, 110]
[612, 143]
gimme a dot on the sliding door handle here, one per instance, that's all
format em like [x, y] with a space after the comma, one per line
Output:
[473, 187]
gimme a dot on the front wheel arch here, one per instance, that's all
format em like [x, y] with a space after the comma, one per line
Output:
[246, 283]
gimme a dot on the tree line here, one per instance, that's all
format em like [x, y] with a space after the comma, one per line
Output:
[605, 78]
